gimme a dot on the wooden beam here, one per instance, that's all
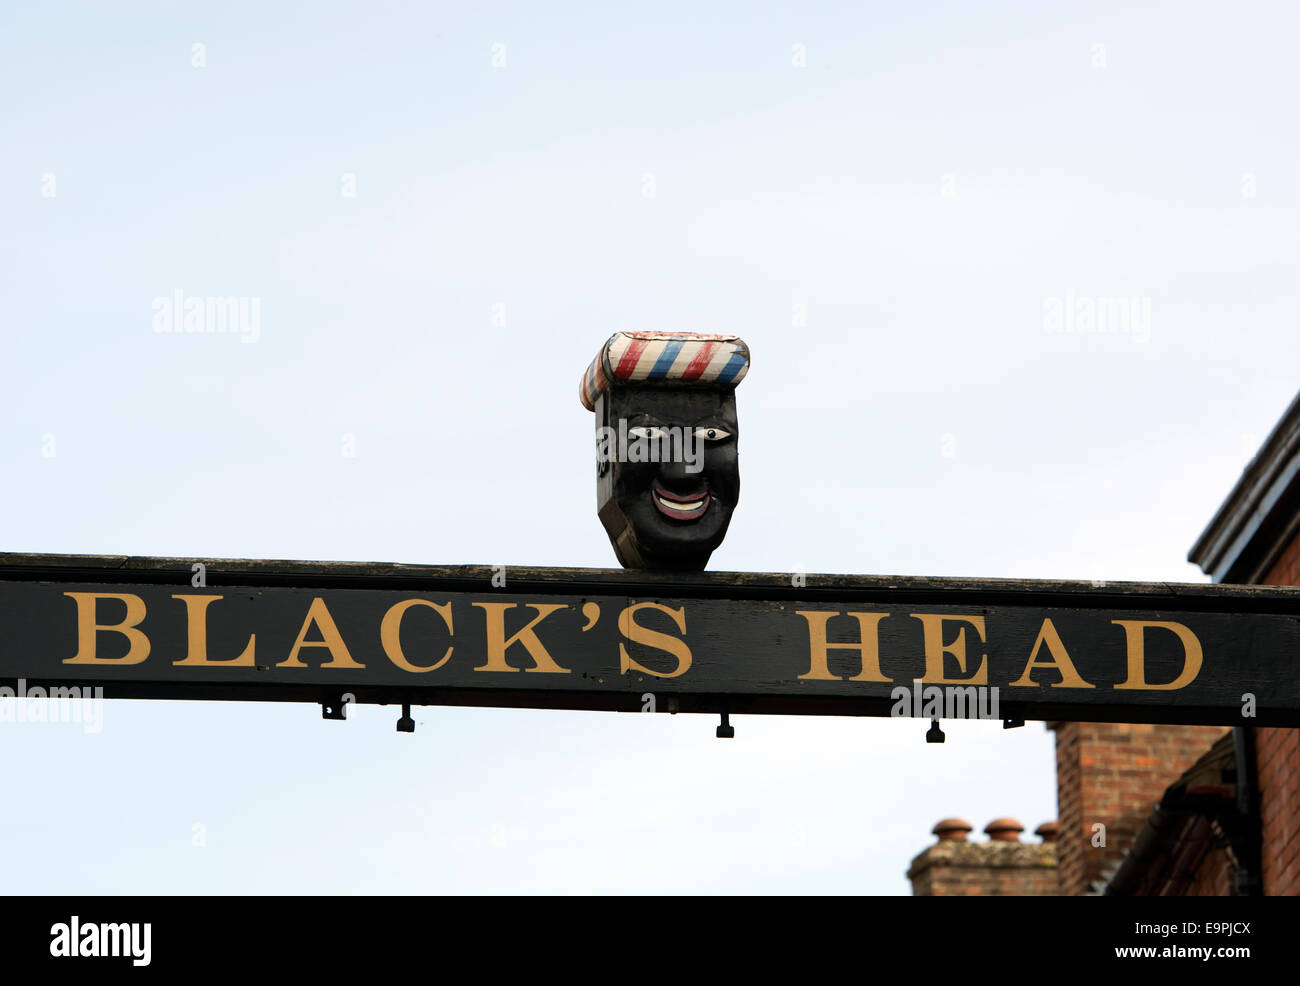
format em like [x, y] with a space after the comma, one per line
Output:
[617, 640]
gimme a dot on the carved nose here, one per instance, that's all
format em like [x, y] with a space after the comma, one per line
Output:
[676, 479]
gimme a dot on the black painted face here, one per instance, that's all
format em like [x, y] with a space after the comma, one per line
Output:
[672, 475]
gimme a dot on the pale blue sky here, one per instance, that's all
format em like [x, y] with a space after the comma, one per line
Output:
[932, 178]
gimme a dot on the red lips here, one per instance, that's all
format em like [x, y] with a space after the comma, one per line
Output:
[675, 506]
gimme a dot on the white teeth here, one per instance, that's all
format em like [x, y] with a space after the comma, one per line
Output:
[692, 508]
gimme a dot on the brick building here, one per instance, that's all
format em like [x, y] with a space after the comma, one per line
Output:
[1165, 810]
[1001, 867]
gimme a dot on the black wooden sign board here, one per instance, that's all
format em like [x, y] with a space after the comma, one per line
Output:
[641, 641]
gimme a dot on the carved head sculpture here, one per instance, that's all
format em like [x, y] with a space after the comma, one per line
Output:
[668, 476]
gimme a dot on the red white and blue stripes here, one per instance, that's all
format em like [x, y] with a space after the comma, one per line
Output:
[673, 358]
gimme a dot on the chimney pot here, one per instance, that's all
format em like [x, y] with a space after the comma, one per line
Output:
[1003, 830]
[1048, 831]
[952, 830]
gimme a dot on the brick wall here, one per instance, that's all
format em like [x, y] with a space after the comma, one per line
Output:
[1277, 755]
[1214, 877]
[1113, 774]
[985, 869]
[1001, 867]
[1286, 570]
[1277, 759]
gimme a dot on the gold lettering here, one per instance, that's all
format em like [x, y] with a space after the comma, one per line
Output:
[638, 634]
[196, 618]
[1134, 632]
[819, 650]
[935, 649]
[498, 643]
[1069, 676]
[331, 639]
[88, 628]
[390, 633]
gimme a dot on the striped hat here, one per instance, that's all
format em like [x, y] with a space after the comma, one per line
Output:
[680, 359]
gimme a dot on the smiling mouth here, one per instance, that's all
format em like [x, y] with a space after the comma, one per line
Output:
[680, 507]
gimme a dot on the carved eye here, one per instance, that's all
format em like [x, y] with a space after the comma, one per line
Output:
[649, 433]
[712, 434]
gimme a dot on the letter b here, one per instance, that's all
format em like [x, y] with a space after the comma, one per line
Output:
[88, 628]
